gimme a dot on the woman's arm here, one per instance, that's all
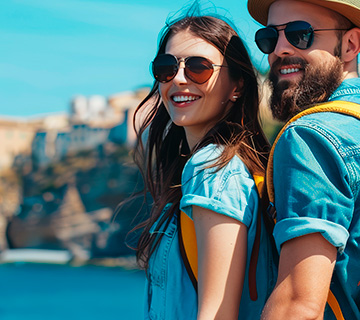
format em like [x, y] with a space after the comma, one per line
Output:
[222, 246]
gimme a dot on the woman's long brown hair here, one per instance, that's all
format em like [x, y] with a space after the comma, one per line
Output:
[162, 150]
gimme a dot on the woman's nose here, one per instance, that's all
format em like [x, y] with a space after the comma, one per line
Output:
[180, 76]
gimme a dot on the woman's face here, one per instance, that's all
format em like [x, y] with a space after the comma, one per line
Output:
[197, 107]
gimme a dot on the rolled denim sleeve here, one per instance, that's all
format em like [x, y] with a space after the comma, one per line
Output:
[312, 190]
[230, 191]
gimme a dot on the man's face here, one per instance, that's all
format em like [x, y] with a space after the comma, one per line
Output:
[303, 77]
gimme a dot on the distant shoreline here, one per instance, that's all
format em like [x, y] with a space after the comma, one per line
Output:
[63, 257]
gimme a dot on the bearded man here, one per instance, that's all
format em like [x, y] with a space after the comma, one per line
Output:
[312, 48]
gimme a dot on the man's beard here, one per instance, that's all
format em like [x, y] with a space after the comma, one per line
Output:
[317, 84]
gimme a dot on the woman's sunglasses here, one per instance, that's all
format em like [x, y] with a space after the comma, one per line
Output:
[300, 34]
[197, 69]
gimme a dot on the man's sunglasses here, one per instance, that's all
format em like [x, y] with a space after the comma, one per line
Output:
[300, 34]
[197, 69]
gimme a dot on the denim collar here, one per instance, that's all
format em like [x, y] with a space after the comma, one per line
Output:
[349, 90]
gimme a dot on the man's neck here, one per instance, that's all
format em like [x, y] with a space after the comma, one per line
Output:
[350, 75]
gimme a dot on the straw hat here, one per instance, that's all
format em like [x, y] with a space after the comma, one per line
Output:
[348, 8]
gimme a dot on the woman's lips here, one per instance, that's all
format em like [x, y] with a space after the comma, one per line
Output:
[182, 99]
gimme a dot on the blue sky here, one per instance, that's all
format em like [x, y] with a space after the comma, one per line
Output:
[52, 50]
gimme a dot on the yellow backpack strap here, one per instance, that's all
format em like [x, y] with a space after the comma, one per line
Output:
[335, 307]
[344, 107]
[188, 246]
[259, 182]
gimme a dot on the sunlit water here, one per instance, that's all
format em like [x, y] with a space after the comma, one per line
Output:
[43, 291]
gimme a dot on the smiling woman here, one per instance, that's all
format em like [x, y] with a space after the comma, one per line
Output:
[203, 148]
[198, 104]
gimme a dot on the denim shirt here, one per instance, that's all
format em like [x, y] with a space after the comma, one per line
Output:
[230, 191]
[317, 186]
[168, 288]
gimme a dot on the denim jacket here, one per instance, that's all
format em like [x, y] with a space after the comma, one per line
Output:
[230, 191]
[317, 186]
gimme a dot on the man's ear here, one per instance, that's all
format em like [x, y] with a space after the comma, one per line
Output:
[350, 45]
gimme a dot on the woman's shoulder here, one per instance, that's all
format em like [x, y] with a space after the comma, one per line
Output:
[228, 189]
[207, 156]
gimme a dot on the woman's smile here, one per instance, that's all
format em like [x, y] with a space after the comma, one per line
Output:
[184, 99]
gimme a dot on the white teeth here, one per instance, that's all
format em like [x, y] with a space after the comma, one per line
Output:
[185, 98]
[289, 70]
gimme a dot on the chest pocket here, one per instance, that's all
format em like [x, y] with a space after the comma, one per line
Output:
[158, 271]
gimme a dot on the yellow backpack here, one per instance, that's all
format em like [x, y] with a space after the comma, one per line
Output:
[349, 108]
[188, 246]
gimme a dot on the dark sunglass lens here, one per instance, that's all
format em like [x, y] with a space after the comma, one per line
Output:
[198, 69]
[266, 39]
[299, 34]
[164, 67]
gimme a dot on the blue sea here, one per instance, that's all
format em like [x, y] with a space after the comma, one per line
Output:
[31, 291]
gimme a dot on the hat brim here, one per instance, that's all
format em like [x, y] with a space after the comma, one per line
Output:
[350, 9]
